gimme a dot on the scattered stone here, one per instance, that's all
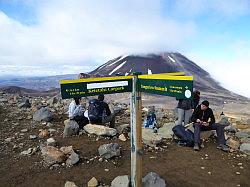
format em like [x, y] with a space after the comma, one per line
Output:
[25, 104]
[202, 168]
[30, 151]
[100, 159]
[52, 155]
[52, 130]
[109, 150]
[122, 138]
[152, 179]
[51, 142]
[42, 114]
[106, 170]
[71, 128]
[238, 173]
[234, 144]
[150, 138]
[100, 130]
[70, 184]
[93, 182]
[32, 137]
[166, 130]
[210, 173]
[54, 166]
[44, 133]
[8, 139]
[24, 130]
[245, 147]
[121, 181]
[73, 159]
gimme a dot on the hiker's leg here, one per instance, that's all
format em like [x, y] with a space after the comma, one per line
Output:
[187, 116]
[220, 132]
[180, 113]
[197, 133]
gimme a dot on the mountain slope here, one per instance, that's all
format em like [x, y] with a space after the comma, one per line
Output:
[161, 63]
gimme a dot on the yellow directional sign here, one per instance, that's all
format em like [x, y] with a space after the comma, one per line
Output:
[177, 86]
[95, 86]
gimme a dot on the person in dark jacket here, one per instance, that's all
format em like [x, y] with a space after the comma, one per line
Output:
[103, 115]
[184, 111]
[196, 98]
[204, 120]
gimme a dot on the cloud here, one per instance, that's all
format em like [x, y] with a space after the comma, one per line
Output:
[232, 72]
[221, 8]
[87, 32]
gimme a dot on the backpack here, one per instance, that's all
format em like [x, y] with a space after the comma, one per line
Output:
[186, 136]
[95, 111]
[150, 121]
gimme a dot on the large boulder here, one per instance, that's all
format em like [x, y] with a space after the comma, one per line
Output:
[43, 114]
[100, 130]
[150, 138]
[124, 128]
[52, 155]
[109, 150]
[73, 159]
[121, 181]
[245, 147]
[241, 135]
[224, 120]
[71, 128]
[152, 179]
[166, 130]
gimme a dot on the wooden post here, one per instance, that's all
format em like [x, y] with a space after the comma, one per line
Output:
[136, 134]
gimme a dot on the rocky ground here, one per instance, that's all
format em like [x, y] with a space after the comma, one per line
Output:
[39, 147]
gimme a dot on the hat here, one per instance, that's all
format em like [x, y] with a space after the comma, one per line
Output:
[206, 103]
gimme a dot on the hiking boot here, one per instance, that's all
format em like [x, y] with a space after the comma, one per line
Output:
[223, 147]
[196, 147]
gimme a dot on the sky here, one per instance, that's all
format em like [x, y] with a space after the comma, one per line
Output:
[51, 37]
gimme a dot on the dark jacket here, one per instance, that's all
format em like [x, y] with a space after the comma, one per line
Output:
[105, 108]
[203, 115]
[185, 104]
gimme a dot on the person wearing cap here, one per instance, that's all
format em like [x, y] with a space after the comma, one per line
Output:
[76, 112]
[204, 120]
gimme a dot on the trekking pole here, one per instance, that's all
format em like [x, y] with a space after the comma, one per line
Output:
[136, 134]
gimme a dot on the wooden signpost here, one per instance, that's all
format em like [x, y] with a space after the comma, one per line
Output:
[167, 84]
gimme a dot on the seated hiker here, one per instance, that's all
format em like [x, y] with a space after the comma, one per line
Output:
[99, 112]
[204, 120]
[76, 113]
[150, 121]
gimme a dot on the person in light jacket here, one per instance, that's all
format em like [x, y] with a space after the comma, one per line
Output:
[76, 113]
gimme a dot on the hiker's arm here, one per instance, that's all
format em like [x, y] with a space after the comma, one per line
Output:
[194, 116]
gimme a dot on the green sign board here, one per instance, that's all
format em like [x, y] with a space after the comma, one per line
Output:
[168, 84]
[180, 87]
[95, 86]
